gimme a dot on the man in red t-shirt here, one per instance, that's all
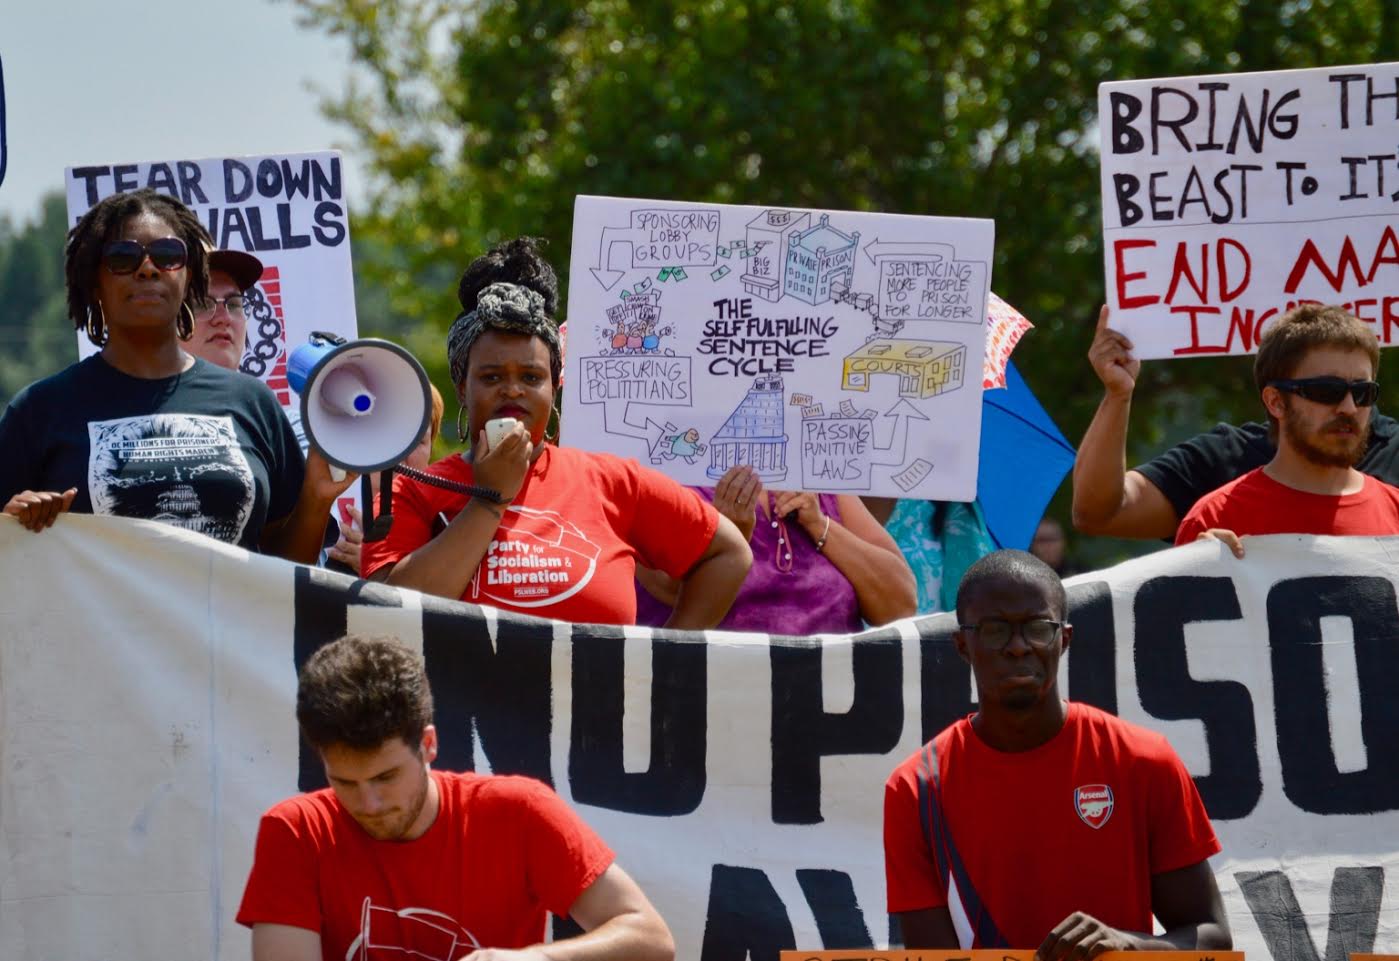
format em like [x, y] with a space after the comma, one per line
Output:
[1040, 823]
[396, 857]
[1316, 370]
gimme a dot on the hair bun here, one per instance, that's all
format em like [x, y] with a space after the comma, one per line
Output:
[515, 261]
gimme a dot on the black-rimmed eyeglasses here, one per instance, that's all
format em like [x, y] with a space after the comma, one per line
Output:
[996, 632]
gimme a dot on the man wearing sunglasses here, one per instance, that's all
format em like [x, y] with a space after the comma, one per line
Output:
[1315, 370]
[1039, 823]
[1150, 500]
[220, 325]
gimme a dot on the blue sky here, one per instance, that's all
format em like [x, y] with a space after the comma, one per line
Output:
[93, 81]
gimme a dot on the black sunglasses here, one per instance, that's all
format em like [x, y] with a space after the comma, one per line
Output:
[1331, 390]
[126, 256]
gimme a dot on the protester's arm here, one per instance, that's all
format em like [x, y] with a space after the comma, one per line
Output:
[618, 921]
[1108, 498]
[862, 550]
[1187, 903]
[300, 535]
[446, 564]
[709, 587]
[283, 942]
[929, 928]
[736, 497]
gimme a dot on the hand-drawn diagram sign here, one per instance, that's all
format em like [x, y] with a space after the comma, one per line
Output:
[1229, 199]
[826, 349]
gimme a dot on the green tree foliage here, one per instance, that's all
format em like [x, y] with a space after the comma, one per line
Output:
[482, 121]
[36, 337]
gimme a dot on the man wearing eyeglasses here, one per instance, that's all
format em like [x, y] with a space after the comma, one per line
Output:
[220, 326]
[1315, 370]
[1038, 822]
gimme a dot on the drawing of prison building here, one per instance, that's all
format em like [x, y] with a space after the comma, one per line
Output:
[767, 235]
[924, 368]
[753, 434]
[817, 257]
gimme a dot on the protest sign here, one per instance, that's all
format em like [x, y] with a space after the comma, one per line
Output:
[1229, 199]
[826, 349]
[290, 211]
[739, 777]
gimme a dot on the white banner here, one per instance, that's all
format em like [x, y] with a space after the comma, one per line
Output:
[1229, 199]
[826, 349]
[147, 680]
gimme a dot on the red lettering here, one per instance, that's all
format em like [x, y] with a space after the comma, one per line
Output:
[1390, 317]
[1181, 268]
[1225, 293]
[1387, 239]
[1310, 257]
[1120, 247]
[1195, 346]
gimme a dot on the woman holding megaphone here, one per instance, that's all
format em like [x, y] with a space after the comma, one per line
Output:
[541, 529]
[141, 428]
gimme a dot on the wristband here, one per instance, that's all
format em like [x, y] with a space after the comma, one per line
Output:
[825, 532]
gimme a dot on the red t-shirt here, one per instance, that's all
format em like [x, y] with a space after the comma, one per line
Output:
[1257, 504]
[502, 852]
[568, 546]
[1080, 823]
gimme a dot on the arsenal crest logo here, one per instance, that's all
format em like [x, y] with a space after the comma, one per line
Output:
[1093, 802]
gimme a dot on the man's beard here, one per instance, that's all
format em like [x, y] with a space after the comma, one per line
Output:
[396, 830]
[1347, 456]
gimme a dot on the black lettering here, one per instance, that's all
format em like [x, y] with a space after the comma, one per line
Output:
[945, 679]
[297, 181]
[190, 191]
[674, 782]
[328, 228]
[498, 695]
[233, 222]
[1212, 89]
[839, 920]
[327, 186]
[259, 240]
[89, 177]
[803, 732]
[237, 182]
[1310, 777]
[161, 177]
[1125, 108]
[1093, 656]
[1125, 186]
[1174, 125]
[1345, 80]
[290, 239]
[124, 178]
[745, 919]
[1164, 605]
[269, 178]
[1355, 913]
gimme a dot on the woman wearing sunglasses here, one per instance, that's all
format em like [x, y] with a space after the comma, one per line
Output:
[141, 428]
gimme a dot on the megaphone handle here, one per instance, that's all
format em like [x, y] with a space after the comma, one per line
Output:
[377, 528]
[337, 474]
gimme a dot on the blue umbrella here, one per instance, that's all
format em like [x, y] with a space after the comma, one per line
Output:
[1024, 458]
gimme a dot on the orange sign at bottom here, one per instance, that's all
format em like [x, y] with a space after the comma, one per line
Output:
[941, 954]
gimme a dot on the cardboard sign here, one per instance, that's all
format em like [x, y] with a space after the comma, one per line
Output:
[1006, 954]
[694, 328]
[1229, 199]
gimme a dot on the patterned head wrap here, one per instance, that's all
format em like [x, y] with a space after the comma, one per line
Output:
[509, 307]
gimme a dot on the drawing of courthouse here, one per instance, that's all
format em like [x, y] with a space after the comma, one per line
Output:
[753, 434]
[816, 257]
[767, 234]
[924, 368]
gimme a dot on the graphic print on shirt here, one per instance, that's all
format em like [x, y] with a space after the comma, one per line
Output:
[538, 560]
[385, 934]
[1094, 803]
[182, 469]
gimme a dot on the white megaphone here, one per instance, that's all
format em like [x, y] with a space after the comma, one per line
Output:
[364, 407]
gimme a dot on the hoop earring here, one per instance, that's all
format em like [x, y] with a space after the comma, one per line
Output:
[184, 330]
[97, 333]
[461, 428]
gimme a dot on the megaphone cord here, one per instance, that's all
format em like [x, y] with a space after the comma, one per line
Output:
[446, 484]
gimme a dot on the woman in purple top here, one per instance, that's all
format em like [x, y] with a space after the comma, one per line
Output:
[821, 563]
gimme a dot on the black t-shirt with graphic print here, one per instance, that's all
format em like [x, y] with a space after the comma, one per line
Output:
[208, 450]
